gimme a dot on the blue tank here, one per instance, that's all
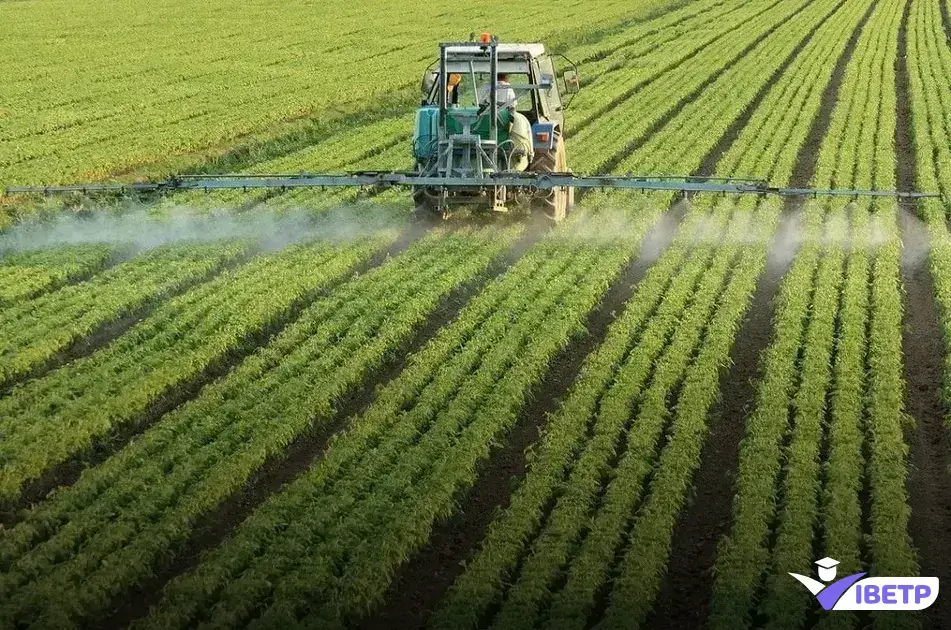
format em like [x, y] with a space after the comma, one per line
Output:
[425, 133]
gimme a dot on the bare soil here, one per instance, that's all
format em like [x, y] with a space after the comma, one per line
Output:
[929, 483]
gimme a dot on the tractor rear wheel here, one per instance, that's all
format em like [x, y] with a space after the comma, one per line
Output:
[425, 208]
[556, 203]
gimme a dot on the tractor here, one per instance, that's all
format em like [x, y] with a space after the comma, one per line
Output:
[490, 109]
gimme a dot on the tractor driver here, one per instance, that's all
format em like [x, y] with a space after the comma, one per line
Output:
[454, 80]
[504, 96]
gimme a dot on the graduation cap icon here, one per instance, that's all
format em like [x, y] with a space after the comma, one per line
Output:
[827, 569]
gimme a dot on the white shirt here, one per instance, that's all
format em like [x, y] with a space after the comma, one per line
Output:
[504, 95]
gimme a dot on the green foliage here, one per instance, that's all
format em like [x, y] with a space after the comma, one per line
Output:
[129, 515]
[34, 331]
[832, 383]
[25, 275]
[46, 421]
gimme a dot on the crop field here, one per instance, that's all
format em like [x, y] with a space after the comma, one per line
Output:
[305, 409]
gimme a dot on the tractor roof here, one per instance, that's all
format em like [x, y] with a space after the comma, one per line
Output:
[505, 50]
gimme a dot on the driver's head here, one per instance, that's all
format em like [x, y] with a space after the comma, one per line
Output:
[454, 79]
[503, 78]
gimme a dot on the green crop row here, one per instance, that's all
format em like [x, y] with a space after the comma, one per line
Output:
[840, 501]
[622, 374]
[25, 275]
[641, 570]
[644, 318]
[33, 332]
[648, 59]
[837, 342]
[126, 517]
[646, 422]
[802, 455]
[597, 143]
[375, 495]
[929, 62]
[742, 557]
[47, 420]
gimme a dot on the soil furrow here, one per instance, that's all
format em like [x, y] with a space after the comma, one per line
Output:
[928, 484]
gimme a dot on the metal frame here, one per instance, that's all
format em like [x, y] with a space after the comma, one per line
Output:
[478, 155]
[528, 181]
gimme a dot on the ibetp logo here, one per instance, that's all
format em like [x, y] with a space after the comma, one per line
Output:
[857, 592]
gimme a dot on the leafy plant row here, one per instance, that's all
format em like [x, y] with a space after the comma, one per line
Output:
[573, 443]
[125, 518]
[833, 343]
[929, 62]
[645, 421]
[47, 420]
[635, 66]
[373, 498]
[767, 149]
[799, 496]
[32, 332]
[596, 144]
[640, 573]
[27, 274]
[642, 568]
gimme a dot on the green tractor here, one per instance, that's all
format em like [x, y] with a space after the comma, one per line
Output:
[488, 110]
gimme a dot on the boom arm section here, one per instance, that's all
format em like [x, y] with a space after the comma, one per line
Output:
[530, 181]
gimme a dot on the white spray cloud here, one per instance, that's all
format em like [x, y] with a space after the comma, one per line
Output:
[145, 229]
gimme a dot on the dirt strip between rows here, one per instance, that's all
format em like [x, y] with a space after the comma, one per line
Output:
[929, 479]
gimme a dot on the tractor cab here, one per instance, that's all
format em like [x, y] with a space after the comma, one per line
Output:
[489, 108]
[525, 66]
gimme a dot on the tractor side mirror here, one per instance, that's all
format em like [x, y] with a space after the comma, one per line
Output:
[429, 80]
[572, 83]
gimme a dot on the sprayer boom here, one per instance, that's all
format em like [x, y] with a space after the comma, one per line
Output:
[530, 182]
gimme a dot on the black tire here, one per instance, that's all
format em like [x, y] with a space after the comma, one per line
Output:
[555, 203]
[424, 208]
